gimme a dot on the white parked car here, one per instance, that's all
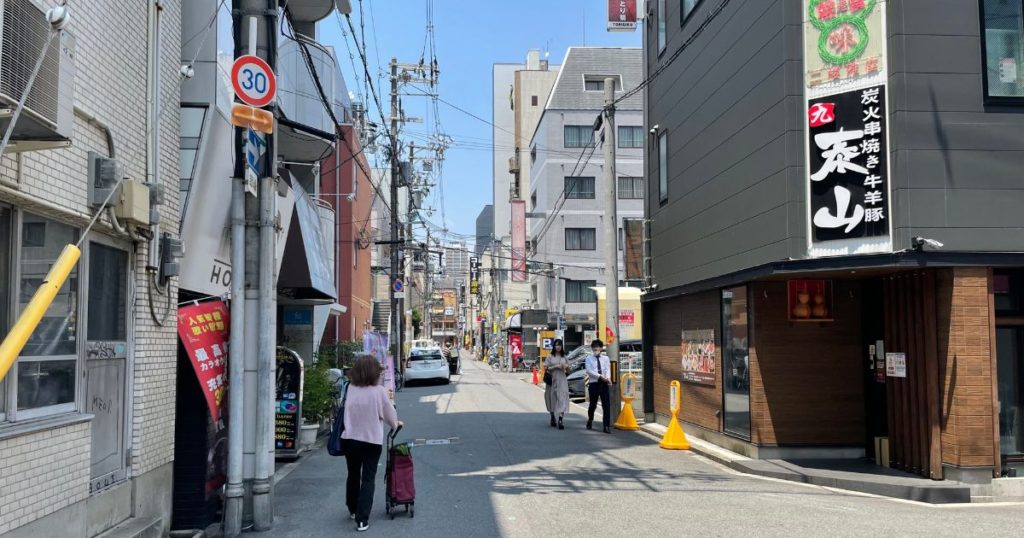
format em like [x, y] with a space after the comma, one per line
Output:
[424, 343]
[427, 364]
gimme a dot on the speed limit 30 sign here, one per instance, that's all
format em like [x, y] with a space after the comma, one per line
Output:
[253, 80]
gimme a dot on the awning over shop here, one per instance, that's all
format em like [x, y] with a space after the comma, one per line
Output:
[306, 274]
[514, 321]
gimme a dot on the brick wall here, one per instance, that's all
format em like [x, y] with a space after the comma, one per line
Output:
[806, 383]
[111, 71]
[965, 354]
[42, 473]
[670, 317]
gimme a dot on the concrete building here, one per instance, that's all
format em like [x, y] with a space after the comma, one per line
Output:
[87, 411]
[566, 180]
[484, 229]
[520, 92]
[835, 230]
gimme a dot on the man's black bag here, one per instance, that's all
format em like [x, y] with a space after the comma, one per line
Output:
[335, 444]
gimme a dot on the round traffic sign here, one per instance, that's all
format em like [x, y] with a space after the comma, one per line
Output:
[399, 285]
[253, 80]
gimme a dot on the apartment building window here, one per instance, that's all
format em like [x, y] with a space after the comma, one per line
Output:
[631, 188]
[595, 83]
[578, 136]
[580, 291]
[662, 37]
[533, 100]
[631, 136]
[6, 255]
[688, 7]
[580, 239]
[579, 188]
[663, 166]
[48, 365]
[1003, 30]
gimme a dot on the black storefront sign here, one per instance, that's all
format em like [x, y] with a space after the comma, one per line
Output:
[288, 404]
[849, 172]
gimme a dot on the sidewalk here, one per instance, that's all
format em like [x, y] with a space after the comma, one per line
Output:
[852, 475]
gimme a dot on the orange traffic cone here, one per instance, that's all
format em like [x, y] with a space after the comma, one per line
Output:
[536, 380]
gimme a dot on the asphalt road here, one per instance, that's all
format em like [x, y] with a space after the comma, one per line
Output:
[510, 474]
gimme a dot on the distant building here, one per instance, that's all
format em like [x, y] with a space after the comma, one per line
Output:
[484, 229]
[567, 181]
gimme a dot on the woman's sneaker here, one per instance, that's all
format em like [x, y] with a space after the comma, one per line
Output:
[362, 526]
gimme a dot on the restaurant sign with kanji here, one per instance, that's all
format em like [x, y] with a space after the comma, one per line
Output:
[203, 329]
[844, 42]
[848, 165]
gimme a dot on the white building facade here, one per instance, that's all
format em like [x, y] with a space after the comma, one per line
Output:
[567, 182]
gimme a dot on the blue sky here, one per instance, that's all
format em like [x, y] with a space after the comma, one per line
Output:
[469, 38]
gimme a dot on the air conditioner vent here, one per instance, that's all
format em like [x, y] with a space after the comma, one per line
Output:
[49, 107]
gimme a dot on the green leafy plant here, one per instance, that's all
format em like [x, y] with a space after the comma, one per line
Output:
[339, 354]
[317, 393]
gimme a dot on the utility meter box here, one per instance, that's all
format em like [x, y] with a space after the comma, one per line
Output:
[133, 206]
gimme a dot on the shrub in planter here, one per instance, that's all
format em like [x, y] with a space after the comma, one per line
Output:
[317, 394]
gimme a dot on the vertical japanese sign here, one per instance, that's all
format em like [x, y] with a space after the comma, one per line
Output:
[515, 346]
[621, 15]
[288, 400]
[203, 329]
[518, 241]
[848, 186]
[474, 276]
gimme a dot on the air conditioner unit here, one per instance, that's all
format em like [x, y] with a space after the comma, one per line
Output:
[47, 120]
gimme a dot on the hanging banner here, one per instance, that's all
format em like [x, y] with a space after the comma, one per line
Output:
[375, 343]
[518, 241]
[698, 349]
[845, 70]
[621, 15]
[203, 330]
[515, 346]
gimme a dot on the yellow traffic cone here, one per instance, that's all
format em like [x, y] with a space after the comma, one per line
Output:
[675, 438]
[627, 420]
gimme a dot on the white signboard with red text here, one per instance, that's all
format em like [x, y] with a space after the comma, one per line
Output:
[845, 70]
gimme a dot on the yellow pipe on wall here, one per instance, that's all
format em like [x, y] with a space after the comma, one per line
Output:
[36, 308]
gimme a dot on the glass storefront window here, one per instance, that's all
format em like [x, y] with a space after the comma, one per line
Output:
[1011, 390]
[1003, 27]
[736, 361]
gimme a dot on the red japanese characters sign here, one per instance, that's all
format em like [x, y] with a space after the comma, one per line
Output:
[203, 329]
[515, 346]
[621, 15]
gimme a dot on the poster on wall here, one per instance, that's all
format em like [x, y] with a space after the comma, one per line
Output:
[375, 343]
[896, 364]
[845, 70]
[698, 349]
[203, 329]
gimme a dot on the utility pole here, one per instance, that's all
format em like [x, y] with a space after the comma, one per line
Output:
[611, 244]
[408, 245]
[396, 311]
[428, 319]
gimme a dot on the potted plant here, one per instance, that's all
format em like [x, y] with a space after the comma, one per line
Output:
[317, 398]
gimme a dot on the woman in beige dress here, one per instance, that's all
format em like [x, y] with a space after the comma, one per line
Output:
[556, 395]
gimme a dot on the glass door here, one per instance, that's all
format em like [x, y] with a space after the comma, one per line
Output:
[1010, 367]
[736, 361]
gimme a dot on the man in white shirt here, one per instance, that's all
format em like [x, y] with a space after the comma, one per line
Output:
[599, 369]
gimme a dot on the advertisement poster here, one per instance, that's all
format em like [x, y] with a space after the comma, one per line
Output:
[515, 346]
[288, 398]
[203, 329]
[376, 344]
[896, 364]
[698, 349]
[621, 15]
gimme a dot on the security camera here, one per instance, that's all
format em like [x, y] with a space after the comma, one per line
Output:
[654, 130]
[920, 242]
[187, 71]
[351, 197]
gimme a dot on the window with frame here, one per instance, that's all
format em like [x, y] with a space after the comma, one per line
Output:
[631, 187]
[580, 291]
[578, 136]
[579, 188]
[630, 136]
[595, 83]
[1003, 29]
[663, 166]
[580, 239]
[662, 33]
[687, 8]
[533, 100]
[6, 255]
[47, 368]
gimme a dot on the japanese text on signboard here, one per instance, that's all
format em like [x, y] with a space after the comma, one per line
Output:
[203, 329]
[848, 150]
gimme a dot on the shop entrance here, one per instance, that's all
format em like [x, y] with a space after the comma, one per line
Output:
[876, 424]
